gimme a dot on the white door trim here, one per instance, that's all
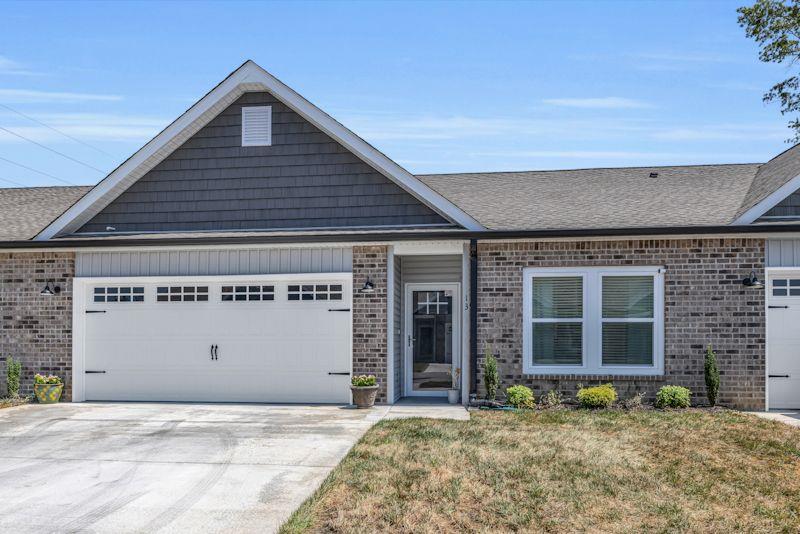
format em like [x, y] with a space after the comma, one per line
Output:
[79, 305]
[408, 350]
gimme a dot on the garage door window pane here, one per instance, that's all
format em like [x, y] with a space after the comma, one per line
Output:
[118, 294]
[182, 294]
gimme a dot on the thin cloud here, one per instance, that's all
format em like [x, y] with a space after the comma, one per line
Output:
[89, 127]
[11, 67]
[722, 132]
[29, 96]
[608, 102]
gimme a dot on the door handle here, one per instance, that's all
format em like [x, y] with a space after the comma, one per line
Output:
[778, 376]
[95, 311]
[95, 372]
[216, 353]
[211, 351]
[344, 373]
[339, 309]
[774, 307]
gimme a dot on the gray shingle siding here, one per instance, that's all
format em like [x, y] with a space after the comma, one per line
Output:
[304, 180]
[789, 208]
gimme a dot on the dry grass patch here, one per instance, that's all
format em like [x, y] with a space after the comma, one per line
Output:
[562, 470]
[8, 402]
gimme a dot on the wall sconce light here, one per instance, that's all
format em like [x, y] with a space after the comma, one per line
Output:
[753, 281]
[368, 287]
[50, 289]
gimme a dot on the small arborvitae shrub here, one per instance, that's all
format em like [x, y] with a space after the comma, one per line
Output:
[712, 376]
[673, 397]
[551, 399]
[602, 396]
[13, 371]
[364, 380]
[520, 396]
[634, 402]
[491, 377]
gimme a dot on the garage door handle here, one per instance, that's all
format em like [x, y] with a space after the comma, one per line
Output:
[95, 372]
[345, 373]
[778, 376]
[95, 311]
[773, 307]
[338, 309]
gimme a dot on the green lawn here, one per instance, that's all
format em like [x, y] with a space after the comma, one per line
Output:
[561, 470]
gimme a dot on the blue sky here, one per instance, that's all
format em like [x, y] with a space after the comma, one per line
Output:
[439, 87]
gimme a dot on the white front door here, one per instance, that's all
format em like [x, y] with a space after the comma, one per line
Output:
[242, 339]
[432, 339]
[783, 339]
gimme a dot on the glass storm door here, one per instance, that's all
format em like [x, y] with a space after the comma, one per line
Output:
[431, 338]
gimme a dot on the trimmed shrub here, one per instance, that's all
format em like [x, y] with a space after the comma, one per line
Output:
[491, 378]
[551, 399]
[602, 396]
[13, 371]
[712, 376]
[673, 397]
[520, 396]
[364, 380]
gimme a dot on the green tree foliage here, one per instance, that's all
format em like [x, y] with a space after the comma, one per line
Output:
[775, 26]
[13, 370]
[712, 376]
[491, 377]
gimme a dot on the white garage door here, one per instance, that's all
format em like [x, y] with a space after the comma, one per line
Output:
[256, 339]
[783, 339]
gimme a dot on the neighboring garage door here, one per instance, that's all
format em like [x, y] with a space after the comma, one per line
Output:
[783, 339]
[227, 339]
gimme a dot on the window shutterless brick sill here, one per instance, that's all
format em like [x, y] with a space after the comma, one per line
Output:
[598, 378]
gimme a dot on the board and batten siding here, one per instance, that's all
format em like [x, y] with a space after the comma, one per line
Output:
[783, 253]
[433, 268]
[213, 262]
[304, 179]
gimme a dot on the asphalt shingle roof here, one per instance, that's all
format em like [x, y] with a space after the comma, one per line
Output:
[700, 195]
[772, 175]
[24, 212]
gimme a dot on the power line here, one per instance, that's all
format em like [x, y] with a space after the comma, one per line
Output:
[36, 171]
[54, 151]
[21, 114]
[12, 182]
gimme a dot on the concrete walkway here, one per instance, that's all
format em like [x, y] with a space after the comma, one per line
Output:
[790, 417]
[430, 407]
[150, 467]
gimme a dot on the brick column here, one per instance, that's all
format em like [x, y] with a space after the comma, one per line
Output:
[370, 337]
[36, 329]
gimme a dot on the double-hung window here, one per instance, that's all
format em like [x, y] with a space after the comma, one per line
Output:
[593, 320]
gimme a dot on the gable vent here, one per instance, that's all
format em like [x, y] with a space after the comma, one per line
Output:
[257, 126]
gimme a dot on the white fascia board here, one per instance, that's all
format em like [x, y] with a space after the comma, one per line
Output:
[247, 78]
[769, 202]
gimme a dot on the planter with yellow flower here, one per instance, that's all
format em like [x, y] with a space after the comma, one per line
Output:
[47, 388]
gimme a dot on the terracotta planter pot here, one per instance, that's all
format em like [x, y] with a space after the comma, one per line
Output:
[364, 396]
[47, 393]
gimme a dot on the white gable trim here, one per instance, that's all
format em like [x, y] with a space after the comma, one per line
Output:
[769, 202]
[247, 78]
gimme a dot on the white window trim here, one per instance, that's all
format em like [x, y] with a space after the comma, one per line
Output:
[592, 321]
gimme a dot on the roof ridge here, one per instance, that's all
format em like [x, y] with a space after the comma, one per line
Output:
[596, 169]
[44, 187]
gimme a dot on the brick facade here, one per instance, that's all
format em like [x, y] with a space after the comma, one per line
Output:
[705, 302]
[370, 337]
[37, 329]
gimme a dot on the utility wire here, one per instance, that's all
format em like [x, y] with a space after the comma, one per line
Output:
[36, 171]
[53, 151]
[12, 182]
[40, 123]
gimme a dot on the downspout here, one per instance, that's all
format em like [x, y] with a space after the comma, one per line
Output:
[473, 315]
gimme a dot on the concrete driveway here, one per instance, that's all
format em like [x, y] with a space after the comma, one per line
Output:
[166, 467]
